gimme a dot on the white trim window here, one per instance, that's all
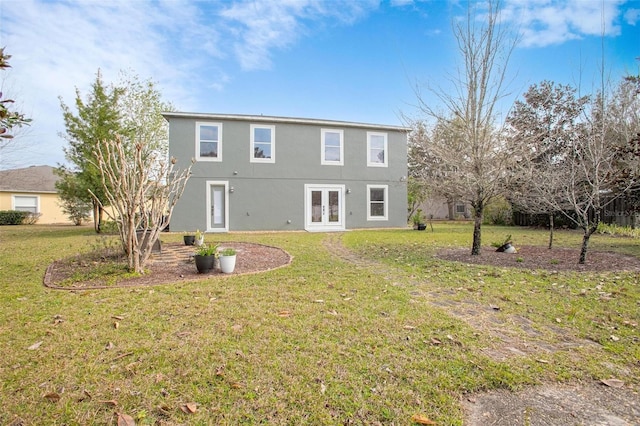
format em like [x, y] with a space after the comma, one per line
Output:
[377, 149]
[26, 203]
[263, 144]
[332, 147]
[208, 141]
[377, 202]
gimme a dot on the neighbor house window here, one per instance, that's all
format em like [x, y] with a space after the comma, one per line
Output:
[25, 203]
[263, 144]
[332, 147]
[376, 149]
[377, 202]
[209, 141]
[460, 208]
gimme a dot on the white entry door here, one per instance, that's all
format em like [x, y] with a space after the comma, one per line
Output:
[324, 207]
[217, 206]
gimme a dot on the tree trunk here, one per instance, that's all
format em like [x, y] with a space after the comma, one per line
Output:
[477, 232]
[585, 243]
[551, 225]
[100, 218]
[96, 216]
[452, 216]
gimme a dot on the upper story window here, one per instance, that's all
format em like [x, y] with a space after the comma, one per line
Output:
[263, 144]
[332, 147]
[377, 149]
[377, 202]
[208, 141]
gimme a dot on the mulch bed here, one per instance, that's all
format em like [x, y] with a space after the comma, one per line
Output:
[175, 264]
[537, 257]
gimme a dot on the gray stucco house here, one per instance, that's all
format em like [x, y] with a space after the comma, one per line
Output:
[254, 172]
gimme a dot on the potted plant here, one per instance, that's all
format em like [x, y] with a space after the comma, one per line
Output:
[506, 246]
[418, 221]
[199, 238]
[205, 258]
[227, 260]
[189, 239]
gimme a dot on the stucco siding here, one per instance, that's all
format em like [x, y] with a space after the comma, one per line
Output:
[48, 206]
[271, 196]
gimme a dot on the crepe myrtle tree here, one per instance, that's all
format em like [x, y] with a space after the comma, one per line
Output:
[142, 190]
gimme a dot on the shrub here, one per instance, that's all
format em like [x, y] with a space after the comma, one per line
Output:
[14, 217]
[498, 212]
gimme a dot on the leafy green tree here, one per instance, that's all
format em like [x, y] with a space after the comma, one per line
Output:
[96, 119]
[8, 119]
[73, 197]
[141, 106]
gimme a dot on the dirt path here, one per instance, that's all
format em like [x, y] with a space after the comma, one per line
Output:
[549, 404]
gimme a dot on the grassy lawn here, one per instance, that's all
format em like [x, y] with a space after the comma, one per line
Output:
[322, 341]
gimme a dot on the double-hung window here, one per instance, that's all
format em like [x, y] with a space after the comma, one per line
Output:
[26, 203]
[377, 202]
[332, 147]
[263, 144]
[208, 141]
[377, 149]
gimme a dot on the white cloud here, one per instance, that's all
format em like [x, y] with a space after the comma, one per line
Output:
[632, 16]
[549, 22]
[187, 47]
[266, 25]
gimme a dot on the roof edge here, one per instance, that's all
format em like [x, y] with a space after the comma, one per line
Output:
[274, 119]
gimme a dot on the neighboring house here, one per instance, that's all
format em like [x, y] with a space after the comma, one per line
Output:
[32, 189]
[276, 173]
[439, 209]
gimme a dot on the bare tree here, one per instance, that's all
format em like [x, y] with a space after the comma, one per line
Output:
[623, 128]
[427, 170]
[142, 189]
[583, 175]
[474, 157]
[541, 127]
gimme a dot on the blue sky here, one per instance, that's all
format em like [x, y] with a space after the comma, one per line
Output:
[353, 60]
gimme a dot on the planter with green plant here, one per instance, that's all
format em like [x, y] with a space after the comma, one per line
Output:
[199, 238]
[227, 260]
[418, 220]
[189, 239]
[205, 258]
[505, 246]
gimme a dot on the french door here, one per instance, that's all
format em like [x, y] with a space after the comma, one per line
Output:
[217, 206]
[324, 207]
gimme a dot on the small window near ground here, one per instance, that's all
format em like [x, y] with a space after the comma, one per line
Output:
[376, 149]
[263, 144]
[377, 202]
[332, 147]
[209, 141]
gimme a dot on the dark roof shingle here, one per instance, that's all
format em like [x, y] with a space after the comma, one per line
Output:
[28, 179]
